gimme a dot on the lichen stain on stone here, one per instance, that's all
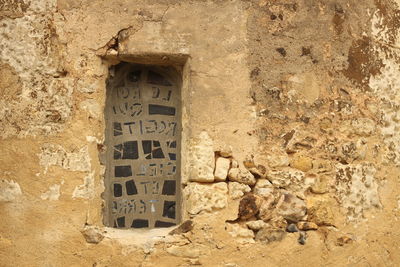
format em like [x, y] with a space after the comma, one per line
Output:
[363, 63]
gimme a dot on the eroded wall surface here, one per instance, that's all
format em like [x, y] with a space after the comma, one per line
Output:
[290, 151]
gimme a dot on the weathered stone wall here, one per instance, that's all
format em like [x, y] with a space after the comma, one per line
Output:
[290, 151]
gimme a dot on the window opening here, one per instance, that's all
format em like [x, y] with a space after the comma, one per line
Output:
[143, 134]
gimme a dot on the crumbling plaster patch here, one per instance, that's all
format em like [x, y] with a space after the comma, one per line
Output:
[86, 190]
[52, 194]
[9, 190]
[56, 155]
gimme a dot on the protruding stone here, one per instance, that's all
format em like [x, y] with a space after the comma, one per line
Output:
[249, 206]
[320, 212]
[263, 183]
[302, 163]
[225, 151]
[92, 234]
[292, 228]
[291, 207]
[203, 159]
[205, 197]
[306, 226]
[184, 227]
[278, 222]
[241, 175]
[221, 169]
[321, 185]
[241, 234]
[268, 235]
[278, 160]
[258, 172]
[249, 162]
[267, 207]
[302, 238]
[322, 166]
[256, 225]
[285, 178]
[237, 190]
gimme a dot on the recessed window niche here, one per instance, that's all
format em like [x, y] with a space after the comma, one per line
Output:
[143, 140]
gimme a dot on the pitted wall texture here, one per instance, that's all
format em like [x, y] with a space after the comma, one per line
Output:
[289, 141]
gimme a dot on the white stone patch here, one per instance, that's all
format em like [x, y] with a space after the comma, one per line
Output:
[237, 190]
[289, 179]
[205, 197]
[85, 190]
[56, 155]
[221, 169]
[202, 159]
[363, 126]
[242, 235]
[357, 189]
[53, 193]
[92, 107]
[9, 190]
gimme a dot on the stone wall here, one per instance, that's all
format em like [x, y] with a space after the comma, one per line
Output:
[290, 144]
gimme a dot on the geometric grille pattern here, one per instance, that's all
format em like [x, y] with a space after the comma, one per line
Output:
[143, 131]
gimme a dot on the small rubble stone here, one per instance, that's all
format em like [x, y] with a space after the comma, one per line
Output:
[242, 176]
[234, 163]
[322, 166]
[249, 206]
[249, 162]
[205, 197]
[321, 185]
[203, 159]
[302, 163]
[268, 235]
[241, 234]
[306, 226]
[221, 169]
[302, 238]
[263, 188]
[320, 212]
[225, 151]
[237, 190]
[291, 207]
[343, 240]
[256, 225]
[263, 183]
[267, 207]
[184, 227]
[276, 161]
[278, 222]
[92, 234]
[286, 178]
[292, 228]
[258, 172]
[263, 192]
